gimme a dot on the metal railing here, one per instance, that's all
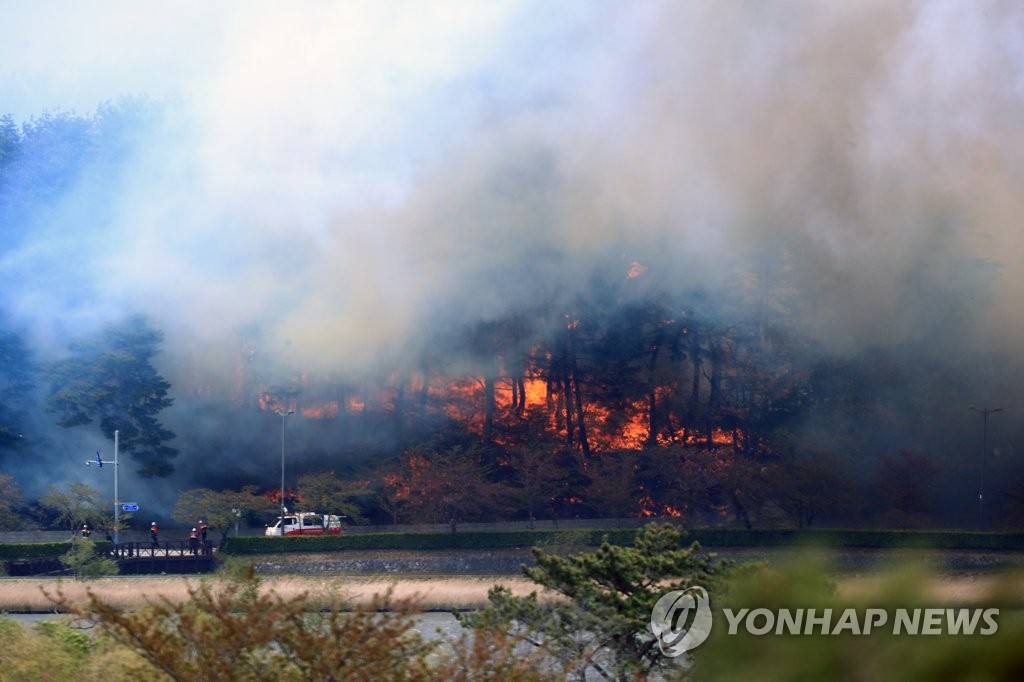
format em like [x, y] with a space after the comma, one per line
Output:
[176, 549]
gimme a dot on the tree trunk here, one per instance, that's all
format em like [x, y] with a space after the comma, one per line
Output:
[488, 409]
[399, 407]
[424, 394]
[653, 424]
[580, 421]
[566, 400]
[695, 361]
[714, 393]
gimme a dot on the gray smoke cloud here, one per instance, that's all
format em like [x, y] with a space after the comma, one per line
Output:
[334, 172]
[331, 180]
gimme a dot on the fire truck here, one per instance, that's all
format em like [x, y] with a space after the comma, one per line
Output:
[305, 523]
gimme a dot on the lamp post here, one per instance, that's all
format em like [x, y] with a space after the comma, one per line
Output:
[985, 412]
[283, 414]
[99, 465]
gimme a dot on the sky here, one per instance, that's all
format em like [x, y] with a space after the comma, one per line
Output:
[341, 176]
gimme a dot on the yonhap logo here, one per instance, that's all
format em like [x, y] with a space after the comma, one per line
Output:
[681, 620]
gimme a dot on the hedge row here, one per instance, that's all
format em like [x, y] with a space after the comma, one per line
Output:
[421, 541]
[709, 537]
[483, 540]
[34, 550]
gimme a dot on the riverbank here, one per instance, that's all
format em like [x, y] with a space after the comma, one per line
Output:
[441, 580]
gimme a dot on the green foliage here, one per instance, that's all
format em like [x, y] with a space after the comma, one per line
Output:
[81, 503]
[326, 493]
[462, 540]
[600, 623]
[559, 541]
[235, 568]
[112, 379]
[73, 641]
[33, 550]
[220, 510]
[565, 541]
[58, 651]
[86, 563]
[10, 500]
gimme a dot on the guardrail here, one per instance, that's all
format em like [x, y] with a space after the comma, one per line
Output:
[162, 550]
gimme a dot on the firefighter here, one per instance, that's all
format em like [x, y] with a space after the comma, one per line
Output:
[86, 531]
[154, 534]
[193, 541]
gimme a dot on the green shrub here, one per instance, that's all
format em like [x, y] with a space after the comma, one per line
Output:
[33, 550]
[240, 632]
[582, 538]
[86, 562]
[417, 541]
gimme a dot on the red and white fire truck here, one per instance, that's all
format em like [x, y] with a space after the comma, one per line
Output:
[305, 523]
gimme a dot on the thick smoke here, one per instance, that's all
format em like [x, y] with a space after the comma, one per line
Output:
[330, 185]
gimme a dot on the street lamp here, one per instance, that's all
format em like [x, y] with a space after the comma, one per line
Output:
[283, 414]
[985, 412]
[99, 465]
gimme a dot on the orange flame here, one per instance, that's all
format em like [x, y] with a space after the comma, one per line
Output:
[650, 508]
[270, 402]
[324, 411]
[636, 269]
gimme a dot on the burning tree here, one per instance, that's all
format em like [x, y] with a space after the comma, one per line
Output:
[448, 486]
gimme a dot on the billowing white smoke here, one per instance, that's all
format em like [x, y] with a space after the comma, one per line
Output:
[333, 174]
[332, 181]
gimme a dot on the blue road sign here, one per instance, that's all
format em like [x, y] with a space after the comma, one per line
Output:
[129, 506]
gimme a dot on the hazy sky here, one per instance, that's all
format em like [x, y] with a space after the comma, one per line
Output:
[337, 171]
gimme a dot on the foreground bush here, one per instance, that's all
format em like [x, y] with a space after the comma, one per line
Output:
[242, 632]
[56, 651]
[599, 625]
